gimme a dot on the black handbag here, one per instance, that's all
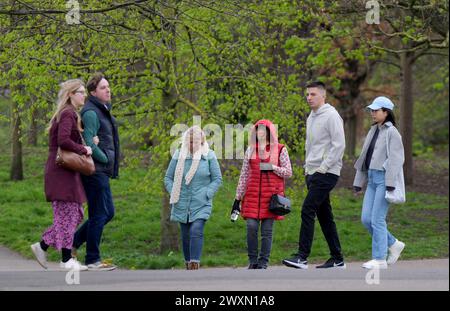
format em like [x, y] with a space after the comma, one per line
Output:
[279, 205]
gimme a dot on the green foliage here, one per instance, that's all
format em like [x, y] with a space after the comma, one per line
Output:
[431, 110]
[224, 62]
[170, 61]
[4, 120]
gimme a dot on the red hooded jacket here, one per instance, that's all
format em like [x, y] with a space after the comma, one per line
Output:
[262, 185]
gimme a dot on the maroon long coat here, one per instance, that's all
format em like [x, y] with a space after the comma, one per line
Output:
[62, 184]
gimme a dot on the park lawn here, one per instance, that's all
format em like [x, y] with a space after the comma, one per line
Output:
[132, 239]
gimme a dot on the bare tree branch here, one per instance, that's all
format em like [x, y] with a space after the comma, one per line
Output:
[34, 11]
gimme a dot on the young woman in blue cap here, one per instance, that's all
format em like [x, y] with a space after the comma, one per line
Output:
[379, 165]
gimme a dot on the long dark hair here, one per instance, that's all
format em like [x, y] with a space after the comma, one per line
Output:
[389, 118]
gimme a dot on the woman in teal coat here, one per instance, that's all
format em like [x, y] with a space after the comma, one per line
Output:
[192, 179]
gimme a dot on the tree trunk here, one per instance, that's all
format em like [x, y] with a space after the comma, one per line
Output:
[360, 129]
[406, 113]
[16, 172]
[353, 117]
[33, 131]
[16, 145]
[350, 135]
[169, 230]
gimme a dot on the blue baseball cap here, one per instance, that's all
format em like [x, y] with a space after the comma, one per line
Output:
[381, 102]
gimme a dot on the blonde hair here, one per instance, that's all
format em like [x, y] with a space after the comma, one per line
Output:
[64, 101]
[195, 132]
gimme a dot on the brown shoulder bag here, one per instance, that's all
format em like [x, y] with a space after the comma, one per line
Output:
[75, 162]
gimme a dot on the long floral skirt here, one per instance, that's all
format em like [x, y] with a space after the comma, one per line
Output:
[66, 218]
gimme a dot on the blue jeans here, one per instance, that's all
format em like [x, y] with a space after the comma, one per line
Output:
[266, 240]
[101, 211]
[192, 239]
[374, 212]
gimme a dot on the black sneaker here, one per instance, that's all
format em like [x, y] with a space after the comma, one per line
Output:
[333, 263]
[253, 266]
[296, 262]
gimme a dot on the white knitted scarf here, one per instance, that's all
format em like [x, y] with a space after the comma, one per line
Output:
[182, 155]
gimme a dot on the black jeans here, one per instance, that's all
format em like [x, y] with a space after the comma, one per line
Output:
[101, 211]
[317, 202]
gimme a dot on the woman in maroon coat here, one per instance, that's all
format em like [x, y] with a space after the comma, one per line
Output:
[266, 165]
[63, 187]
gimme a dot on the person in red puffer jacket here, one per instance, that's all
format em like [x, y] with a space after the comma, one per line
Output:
[266, 165]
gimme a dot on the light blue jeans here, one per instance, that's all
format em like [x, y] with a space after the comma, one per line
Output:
[374, 212]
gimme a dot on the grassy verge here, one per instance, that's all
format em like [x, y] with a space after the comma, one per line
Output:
[131, 240]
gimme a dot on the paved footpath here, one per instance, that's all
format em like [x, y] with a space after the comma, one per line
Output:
[17, 273]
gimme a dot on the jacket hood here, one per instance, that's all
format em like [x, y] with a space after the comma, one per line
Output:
[324, 109]
[273, 141]
[268, 124]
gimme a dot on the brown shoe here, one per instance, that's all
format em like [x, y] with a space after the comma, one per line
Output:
[187, 265]
[194, 265]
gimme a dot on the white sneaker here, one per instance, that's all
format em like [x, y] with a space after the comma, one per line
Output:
[375, 264]
[72, 264]
[394, 252]
[39, 254]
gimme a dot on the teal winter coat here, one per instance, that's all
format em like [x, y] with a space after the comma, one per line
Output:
[196, 198]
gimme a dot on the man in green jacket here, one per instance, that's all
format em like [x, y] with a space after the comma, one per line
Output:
[98, 121]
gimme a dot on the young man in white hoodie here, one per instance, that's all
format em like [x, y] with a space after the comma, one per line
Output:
[325, 145]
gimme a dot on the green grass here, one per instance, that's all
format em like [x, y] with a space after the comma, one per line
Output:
[432, 164]
[132, 239]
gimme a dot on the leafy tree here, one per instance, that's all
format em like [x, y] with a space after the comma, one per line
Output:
[414, 29]
[166, 61]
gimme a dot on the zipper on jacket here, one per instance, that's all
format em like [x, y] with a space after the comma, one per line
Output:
[259, 194]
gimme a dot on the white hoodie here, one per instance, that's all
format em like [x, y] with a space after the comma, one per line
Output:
[325, 141]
